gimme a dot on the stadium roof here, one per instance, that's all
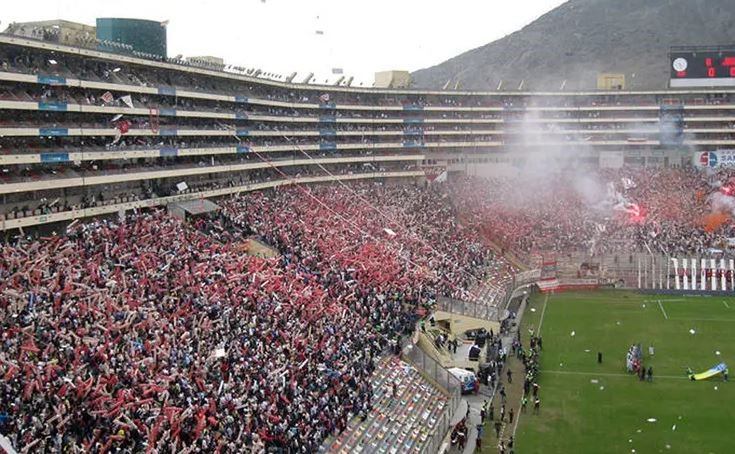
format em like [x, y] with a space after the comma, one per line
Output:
[197, 207]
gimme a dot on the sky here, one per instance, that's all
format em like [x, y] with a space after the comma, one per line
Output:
[359, 36]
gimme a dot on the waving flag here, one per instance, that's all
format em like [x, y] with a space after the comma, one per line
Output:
[107, 97]
[128, 100]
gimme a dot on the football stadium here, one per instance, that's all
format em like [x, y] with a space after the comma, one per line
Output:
[203, 257]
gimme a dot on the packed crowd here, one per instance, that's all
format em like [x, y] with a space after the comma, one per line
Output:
[150, 334]
[669, 210]
[415, 238]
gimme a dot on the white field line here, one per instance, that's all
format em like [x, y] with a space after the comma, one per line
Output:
[730, 320]
[543, 311]
[595, 374]
[541, 322]
[726, 305]
[662, 310]
[665, 301]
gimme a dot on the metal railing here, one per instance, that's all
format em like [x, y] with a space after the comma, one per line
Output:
[467, 308]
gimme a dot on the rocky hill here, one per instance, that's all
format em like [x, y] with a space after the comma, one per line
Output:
[582, 38]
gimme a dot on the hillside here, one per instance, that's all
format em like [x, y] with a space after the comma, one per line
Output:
[582, 38]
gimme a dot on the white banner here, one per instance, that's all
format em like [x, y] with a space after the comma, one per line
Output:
[686, 273]
[128, 100]
[694, 274]
[688, 276]
[703, 275]
[723, 272]
[714, 159]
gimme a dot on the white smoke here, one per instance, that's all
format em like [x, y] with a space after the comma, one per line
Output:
[722, 203]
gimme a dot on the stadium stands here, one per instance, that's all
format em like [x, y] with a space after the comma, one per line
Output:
[154, 332]
[147, 333]
[56, 117]
[631, 209]
[402, 422]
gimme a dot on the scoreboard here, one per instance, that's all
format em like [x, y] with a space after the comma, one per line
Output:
[702, 68]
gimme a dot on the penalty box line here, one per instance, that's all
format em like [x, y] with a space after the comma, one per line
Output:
[687, 319]
[679, 300]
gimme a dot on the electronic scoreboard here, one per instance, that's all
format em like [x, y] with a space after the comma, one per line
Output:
[702, 67]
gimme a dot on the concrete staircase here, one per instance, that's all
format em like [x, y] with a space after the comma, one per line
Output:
[401, 425]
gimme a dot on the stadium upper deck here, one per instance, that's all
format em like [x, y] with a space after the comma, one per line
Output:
[87, 132]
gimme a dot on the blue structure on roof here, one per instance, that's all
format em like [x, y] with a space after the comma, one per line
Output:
[146, 36]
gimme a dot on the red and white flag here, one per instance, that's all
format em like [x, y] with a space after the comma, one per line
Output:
[107, 97]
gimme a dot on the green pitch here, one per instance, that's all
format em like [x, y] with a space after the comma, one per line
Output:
[599, 408]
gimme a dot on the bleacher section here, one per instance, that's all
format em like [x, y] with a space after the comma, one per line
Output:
[404, 424]
[63, 137]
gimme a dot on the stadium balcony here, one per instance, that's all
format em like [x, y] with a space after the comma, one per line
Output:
[599, 113]
[406, 99]
[36, 214]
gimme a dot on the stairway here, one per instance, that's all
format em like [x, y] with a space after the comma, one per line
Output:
[401, 425]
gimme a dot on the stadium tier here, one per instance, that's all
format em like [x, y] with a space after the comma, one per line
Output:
[98, 132]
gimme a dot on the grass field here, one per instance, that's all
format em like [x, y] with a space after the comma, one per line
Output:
[611, 415]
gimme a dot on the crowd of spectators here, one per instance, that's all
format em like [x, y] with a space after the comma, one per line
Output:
[434, 250]
[150, 334]
[669, 210]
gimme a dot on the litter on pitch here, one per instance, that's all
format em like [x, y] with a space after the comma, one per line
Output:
[651, 420]
[594, 381]
[573, 333]
[691, 331]
[717, 353]
[533, 309]
[602, 388]
[673, 427]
